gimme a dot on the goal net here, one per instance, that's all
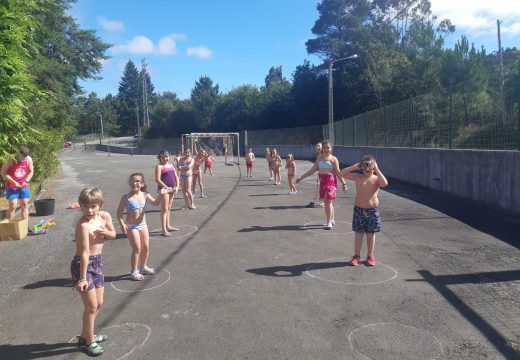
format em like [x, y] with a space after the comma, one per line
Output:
[224, 147]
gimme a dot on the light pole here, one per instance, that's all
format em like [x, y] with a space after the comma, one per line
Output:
[331, 96]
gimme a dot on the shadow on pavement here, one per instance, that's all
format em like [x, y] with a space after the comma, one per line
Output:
[295, 270]
[493, 222]
[280, 207]
[36, 351]
[441, 282]
[274, 228]
[67, 282]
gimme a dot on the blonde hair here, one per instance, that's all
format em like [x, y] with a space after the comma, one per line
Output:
[91, 195]
[290, 157]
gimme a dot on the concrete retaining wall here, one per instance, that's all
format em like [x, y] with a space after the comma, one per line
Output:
[488, 177]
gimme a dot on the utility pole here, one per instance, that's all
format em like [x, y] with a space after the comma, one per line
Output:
[101, 125]
[144, 72]
[501, 60]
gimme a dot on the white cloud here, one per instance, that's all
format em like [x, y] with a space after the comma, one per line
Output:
[111, 25]
[479, 17]
[138, 45]
[143, 45]
[200, 51]
[168, 44]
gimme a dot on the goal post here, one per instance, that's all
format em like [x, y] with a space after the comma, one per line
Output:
[222, 145]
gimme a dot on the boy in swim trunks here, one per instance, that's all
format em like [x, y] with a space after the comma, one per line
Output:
[250, 159]
[87, 267]
[366, 219]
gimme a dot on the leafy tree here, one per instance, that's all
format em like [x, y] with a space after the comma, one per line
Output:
[274, 76]
[17, 87]
[238, 109]
[67, 54]
[204, 98]
[309, 91]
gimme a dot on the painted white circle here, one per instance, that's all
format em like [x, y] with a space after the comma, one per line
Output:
[390, 341]
[125, 340]
[339, 271]
[147, 279]
[184, 230]
[316, 227]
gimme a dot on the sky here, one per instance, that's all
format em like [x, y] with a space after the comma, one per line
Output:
[236, 42]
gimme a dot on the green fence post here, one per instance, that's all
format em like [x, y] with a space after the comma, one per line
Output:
[451, 104]
[366, 127]
[354, 130]
[385, 127]
[411, 121]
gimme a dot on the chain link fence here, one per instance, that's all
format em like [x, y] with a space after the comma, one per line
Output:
[455, 118]
[459, 117]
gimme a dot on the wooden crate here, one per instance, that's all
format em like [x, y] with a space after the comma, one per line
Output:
[14, 229]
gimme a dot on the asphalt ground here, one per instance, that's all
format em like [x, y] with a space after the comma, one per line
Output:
[251, 274]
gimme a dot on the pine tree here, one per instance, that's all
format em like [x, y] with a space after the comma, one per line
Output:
[128, 98]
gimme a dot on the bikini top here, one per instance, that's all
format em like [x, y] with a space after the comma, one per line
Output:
[326, 164]
[132, 204]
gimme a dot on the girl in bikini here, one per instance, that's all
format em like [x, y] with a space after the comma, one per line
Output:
[186, 172]
[197, 173]
[275, 163]
[167, 182]
[134, 226]
[290, 165]
[327, 166]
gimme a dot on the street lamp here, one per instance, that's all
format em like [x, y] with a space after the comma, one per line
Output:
[331, 101]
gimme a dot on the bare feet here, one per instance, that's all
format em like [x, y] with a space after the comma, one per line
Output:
[170, 228]
[166, 233]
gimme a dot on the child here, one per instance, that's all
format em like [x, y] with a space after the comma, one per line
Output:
[87, 267]
[17, 173]
[167, 181]
[250, 159]
[197, 173]
[290, 165]
[135, 224]
[268, 158]
[185, 176]
[208, 160]
[327, 166]
[276, 163]
[176, 159]
[366, 218]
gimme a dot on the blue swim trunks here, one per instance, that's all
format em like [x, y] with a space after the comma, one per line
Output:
[15, 194]
[95, 271]
[366, 220]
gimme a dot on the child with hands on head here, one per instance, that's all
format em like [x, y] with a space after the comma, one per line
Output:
[87, 267]
[366, 219]
[134, 226]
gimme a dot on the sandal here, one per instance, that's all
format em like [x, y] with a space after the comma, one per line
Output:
[136, 276]
[94, 349]
[97, 338]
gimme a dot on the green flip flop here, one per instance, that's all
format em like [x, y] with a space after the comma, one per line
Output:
[94, 349]
[97, 339]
